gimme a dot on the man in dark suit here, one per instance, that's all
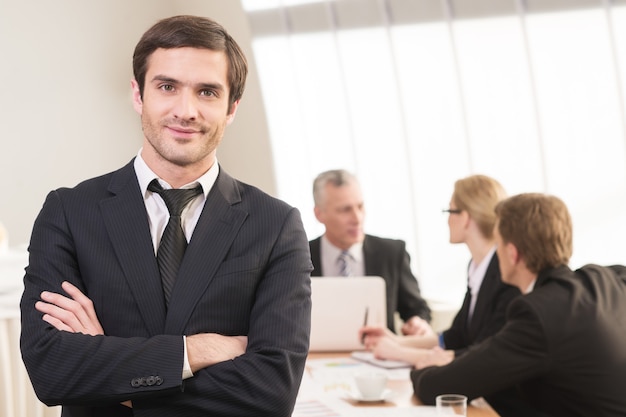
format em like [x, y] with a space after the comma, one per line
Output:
[345, 249]
[562, 350]
[111, 340]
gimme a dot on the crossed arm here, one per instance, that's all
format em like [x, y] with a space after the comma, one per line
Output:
[76, 314]
[87, 354]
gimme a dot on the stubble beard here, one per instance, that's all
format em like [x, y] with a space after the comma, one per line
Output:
[181, 154]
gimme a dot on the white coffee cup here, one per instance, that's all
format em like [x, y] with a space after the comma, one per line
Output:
[371, 385]
[451, 405]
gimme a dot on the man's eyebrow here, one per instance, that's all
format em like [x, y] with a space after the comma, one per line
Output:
[211, 86]
[165, 78]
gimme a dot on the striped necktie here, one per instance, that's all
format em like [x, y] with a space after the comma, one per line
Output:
[344, 264]
[173, 242]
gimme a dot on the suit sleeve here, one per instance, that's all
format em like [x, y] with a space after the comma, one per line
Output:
[410, 301]
[74, 368]
[516, 354]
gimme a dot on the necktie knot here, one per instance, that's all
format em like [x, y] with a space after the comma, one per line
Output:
[173, 242]
[175, 199]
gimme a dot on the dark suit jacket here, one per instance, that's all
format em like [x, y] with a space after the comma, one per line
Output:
[563, 348]
[245, 272]
[489, 312]
[388, 259]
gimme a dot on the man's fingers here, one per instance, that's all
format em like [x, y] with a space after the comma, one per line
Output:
[56, 323]
[77, 312]
[81, 299]
[75, 293]
[56, 315]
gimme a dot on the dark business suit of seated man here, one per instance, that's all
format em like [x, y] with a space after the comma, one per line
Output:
[388, 259]
[562, 351]
[233, 336]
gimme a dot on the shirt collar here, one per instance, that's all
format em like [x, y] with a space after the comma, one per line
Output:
[355, 251]
[145, 175]
[531, 286]
[476, 273]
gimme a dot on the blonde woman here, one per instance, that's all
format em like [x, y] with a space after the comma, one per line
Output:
[471, 220]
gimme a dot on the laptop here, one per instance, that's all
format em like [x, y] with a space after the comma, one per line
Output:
[338, 311]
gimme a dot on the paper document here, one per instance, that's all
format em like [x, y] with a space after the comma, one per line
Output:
[368, 357]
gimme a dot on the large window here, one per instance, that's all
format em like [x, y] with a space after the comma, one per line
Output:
[412, 95]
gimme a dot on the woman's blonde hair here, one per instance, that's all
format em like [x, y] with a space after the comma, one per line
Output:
[479, 195]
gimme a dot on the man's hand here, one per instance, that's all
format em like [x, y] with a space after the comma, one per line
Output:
[75, 314]
[206, 349]
[417, 326]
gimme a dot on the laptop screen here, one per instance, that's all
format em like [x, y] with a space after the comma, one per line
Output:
[338, 311]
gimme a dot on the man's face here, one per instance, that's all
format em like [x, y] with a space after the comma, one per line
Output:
[342, 212]
[184, 106]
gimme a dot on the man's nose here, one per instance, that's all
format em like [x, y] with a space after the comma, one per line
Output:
[356, 215]
[186, 106]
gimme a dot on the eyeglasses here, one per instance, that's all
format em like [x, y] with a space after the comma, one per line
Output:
[452, 211]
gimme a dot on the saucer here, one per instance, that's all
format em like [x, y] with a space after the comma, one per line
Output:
[357, 397]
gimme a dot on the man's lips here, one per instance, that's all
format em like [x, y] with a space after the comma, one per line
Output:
[182, 130]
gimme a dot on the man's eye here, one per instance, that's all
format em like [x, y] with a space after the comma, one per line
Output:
[207, 93]
[167, 87]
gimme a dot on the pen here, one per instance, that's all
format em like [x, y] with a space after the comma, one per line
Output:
[364, 324]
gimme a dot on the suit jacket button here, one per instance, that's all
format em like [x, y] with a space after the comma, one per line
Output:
[159, 380]
[135, 382]
[151, 380]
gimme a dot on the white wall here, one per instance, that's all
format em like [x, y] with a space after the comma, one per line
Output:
[65, 109]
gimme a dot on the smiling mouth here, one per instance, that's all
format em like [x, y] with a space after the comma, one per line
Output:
[183, 130]
[183, 133]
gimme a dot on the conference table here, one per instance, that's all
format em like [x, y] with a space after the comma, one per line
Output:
[328, 390]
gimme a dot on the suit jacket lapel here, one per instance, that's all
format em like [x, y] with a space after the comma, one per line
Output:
[371, 259]
[488, 286]
[217, 228]
[125, 218]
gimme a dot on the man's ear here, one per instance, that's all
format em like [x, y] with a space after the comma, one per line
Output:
[233, 110]
[137, 101]
[512, 253]
[319, 215]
